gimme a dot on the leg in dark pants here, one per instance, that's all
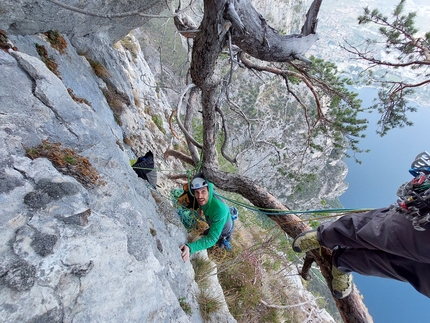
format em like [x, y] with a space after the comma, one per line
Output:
[382, 264]
[382, 229]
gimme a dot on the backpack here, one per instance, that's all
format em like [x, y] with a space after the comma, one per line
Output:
[187, 199]
[145, 168]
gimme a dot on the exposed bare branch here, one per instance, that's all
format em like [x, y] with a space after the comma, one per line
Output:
[377, 62]
[179, 155]
[175, 134]
[283, 307]
[226, 137]
[114, 15]
[178, 119]
[188, 124]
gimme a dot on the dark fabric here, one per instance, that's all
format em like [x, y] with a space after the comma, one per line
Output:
[145, 168]
[227, 231]
[382, 264]
[380, 243]
[228, 228]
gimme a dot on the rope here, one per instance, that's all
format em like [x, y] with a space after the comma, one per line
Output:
[277, 212]
[266, 211]
[157, 169]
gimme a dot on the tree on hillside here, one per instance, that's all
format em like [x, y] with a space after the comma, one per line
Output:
[329, 109]
[405, 49]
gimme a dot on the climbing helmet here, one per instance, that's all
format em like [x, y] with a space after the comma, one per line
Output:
[198, 182]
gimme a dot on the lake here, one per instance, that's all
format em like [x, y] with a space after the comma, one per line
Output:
[373, 184]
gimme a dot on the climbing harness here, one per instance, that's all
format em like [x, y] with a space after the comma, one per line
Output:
[414, 196]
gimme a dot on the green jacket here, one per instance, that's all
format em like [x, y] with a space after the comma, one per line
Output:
[217, 214]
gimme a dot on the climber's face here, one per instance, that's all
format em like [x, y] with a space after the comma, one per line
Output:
[202, 195]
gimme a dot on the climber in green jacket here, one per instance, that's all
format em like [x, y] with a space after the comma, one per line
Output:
[217, 215]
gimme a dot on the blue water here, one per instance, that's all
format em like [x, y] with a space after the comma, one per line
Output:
[374, 184]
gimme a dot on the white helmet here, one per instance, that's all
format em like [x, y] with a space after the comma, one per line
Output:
[198, 182]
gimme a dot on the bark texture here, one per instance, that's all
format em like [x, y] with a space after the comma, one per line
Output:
[249, 31]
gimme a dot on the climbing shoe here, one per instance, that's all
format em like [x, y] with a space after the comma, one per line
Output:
[341, 283]
[306, 241]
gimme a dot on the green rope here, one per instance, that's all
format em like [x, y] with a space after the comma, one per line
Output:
[266, 211]
[277, 212]
[157, 169]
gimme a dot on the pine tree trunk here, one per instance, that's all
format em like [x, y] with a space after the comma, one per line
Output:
[252, 35]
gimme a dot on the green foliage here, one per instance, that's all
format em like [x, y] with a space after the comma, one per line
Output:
[241, 285]
[185, 306]
[317, 285]
[159, 123]
[405, 49]
[49, 61]
[202, 269]
[208, 303]
[341, 122]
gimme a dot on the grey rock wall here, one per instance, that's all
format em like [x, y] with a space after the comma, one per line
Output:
[70, 251]
[77, 18]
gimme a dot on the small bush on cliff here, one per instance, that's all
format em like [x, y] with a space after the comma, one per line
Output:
[50, 62]
[98, 68]
[78, 99]
[128, 43]
[4, 43]
[66, 161]
[185, 306]
[56, 40]
[208, 302]
[159, 123]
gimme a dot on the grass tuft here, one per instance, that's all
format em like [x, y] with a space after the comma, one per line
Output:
[99, 69]
[50, 62]
[77, 99]
[66, 161]
[56, 40]
[208, 303]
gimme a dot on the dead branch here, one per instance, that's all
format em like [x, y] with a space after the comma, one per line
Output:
[179, 155]
[307, 264]
[283, 307]
[178, 118]
[224, 144]
[117, 15]
[175, 134]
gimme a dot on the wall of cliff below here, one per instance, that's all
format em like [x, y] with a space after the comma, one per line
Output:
[82, 238]
[92, 245]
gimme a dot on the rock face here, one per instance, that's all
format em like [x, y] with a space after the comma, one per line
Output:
[78, 19]
[73, 250]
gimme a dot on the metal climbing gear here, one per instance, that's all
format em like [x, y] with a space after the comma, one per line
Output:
[234, 213]
[414, 196]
